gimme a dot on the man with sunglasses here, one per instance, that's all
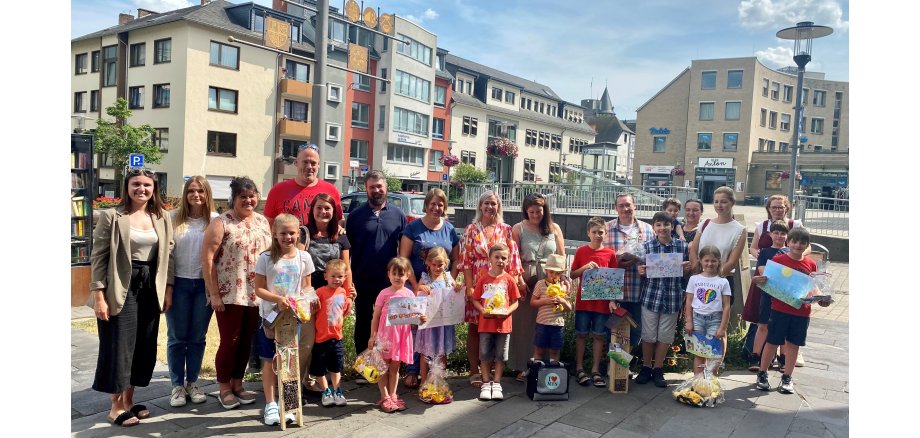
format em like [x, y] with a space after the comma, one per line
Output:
[295, 195]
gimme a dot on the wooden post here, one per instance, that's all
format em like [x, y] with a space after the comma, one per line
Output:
[616, 373]
[288, 366]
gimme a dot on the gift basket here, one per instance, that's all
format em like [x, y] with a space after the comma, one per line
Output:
[701, 390]
[370, 363]
[436, 390]
[301, 305]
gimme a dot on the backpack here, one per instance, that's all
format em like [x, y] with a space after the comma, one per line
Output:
[547, 381]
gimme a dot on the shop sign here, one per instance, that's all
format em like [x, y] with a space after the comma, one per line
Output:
[407, 139]
[647, 168]
[716, 163]
[599, 151]
[659, 131]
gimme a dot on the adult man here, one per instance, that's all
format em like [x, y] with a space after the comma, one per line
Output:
[373, 230]
[626, 235]
[295, 195]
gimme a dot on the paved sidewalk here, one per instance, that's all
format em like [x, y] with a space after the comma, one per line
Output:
[820, 408]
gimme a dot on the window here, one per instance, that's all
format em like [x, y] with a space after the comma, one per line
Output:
[774, 91]
[290, 148]
[412, 86]
[361, 36]
[556, 142]
[80, 64]
[361, 82]
[162, 51]
[381, 118]
[440, 95]
[221, 143]
[760, 145]
[787, 93]
[704, 141]
[783, 147]
[542, 108]
[804, 96]
[497, 94]
[530, 138]
[763, 117]
[819, 97]
[410, 121]
[161, 95]
[509, 97]
[468, 157]
[109, 59]
[296, 71]
[523, 103]
[295, 110]
[413, 49]
[784, 120]
[772, 119]
[469, 87]
[258, 21]
[706, 110]
[359, 151]
[766, 87]
[818, 148]
[161, 139]
[544, 140]
[334, 92]
[659, 144]
[433, 164]
[94, 100]
[136, 97]
[708, 80]
[94, 62]
[817, 125]
[555, 172]
[734, 78]
[138, 56]
[337, 31]
[529, 103]
[771, 146]
[224, 55]
[530, 167]
[220, 99]
[470, 126]
[333, 132]
[730, 142]
[383, 84]
[437, 128]
[78, 99]
[732, 110]
[360, 115]
[405, 154]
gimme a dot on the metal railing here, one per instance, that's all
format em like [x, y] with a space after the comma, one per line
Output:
[573, 198]
[824, 216]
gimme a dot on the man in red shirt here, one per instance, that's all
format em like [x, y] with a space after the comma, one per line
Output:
[295, 195]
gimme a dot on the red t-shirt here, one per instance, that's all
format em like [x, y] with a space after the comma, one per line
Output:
[805, 266]
[504, 283]
[605, 258]
[330, 317]
[290, 197]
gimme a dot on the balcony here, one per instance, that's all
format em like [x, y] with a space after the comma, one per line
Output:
[295, 129]
[297, 89]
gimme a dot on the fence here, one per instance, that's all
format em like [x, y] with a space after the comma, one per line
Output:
[824, 216]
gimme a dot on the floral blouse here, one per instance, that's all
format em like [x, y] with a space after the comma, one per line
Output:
[237, 256]
[474, 255]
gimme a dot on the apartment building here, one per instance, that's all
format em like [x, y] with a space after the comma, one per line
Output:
[729, 122]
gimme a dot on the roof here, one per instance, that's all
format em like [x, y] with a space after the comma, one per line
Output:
[606, 104]
[443, 74]
[526, 85]
[464, 99]
[609, 128]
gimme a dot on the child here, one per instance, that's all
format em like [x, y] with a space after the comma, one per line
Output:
[661, 302]
[591, 316]
[397, 338]
[671, 206]
[328, 349]
[778, 231]
[494, 327]
[281, 272]
[706, 312]
[548, 332]
[435, 342]
[788, 326]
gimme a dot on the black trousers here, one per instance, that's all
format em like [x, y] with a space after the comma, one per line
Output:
[364, 311]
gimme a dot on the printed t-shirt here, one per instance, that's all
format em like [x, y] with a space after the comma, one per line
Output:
[331, 316]
[284, 277]
[707, 293]
[293, 198]
[545, 314]
[503, 284]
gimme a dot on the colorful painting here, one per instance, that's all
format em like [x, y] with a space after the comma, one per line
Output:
[787, 284]
[663, 265]
[602, 284]
[406, 310]
[445, 307]
[703, 345]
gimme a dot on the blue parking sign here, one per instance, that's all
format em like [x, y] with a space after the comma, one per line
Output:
[136, 160]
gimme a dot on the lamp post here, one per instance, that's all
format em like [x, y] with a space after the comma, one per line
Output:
[802, 33]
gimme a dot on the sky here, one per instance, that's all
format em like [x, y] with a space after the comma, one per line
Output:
[578, 47]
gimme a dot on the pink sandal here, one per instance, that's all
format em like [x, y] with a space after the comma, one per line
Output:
[388, 406]
[400, 404]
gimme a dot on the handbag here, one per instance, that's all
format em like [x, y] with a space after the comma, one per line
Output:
[533, 270]
[751, 312]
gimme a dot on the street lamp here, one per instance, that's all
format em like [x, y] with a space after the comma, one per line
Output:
[802, 33]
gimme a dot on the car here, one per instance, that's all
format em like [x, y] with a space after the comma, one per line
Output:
[411, 203]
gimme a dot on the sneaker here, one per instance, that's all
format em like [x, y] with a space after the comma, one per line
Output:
[485, 392]
[785, 385]
[497, 391]
[754, 363]
[645, 374]
[762, 382]
[339, 398]
[195, 393]
[270, 414]
[781, 362]
[177, 399]
[328, 399]
[800, 360]
[658, 377]
[290, 417]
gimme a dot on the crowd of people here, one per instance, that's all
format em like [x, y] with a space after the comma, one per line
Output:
[242, 265]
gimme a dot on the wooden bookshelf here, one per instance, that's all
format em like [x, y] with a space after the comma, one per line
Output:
[82, 191]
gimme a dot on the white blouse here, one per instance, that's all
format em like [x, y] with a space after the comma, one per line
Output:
[722, 236]
[187, 249]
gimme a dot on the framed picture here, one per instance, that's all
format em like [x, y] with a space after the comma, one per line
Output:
[773, 180]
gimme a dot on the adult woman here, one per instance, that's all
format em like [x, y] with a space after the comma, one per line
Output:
[537, 237]
[777, 209]
[693, 209]
[188, 318]
[487, 229]
[418, 237]
[132, 274]
[231, 247]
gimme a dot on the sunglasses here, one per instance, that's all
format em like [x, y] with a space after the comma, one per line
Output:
[135, 171]
[535, 196]
[308, 146]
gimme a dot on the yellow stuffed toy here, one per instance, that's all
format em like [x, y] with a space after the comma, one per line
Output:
[556, 290]
[496, 304]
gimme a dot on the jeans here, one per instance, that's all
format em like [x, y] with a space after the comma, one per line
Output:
[186, 326]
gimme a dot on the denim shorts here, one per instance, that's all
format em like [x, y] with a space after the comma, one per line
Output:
[264, 346]
[594, 322]
[548, 336]
[328, 356]
[494, 346]
[707, 324]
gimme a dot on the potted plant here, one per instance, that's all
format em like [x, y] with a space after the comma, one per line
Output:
[502, 147]
[449, 160]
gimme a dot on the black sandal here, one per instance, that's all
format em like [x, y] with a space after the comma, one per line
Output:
[140, 411]
[598, 380]
[583, 379]
[121, 418]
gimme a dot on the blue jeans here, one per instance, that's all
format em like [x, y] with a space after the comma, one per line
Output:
[186, 326]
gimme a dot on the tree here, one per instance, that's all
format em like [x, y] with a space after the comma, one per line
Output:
[119, 139]
[466, 173]
[394, 184]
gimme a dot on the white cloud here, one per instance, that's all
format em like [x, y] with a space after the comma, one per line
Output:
[429, 14]
[776, 56]
[163, 5]
[776, 14]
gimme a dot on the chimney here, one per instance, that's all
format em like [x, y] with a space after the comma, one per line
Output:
[125, 19]
[204, 2]
[141, 13]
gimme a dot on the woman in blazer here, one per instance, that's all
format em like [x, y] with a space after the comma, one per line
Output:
[132, 274]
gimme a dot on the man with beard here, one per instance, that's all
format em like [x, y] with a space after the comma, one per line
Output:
[373, 230]
[295, 195]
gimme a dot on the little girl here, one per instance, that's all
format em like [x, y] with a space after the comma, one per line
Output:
[281, 272]
[705, 310]
[397, 338]
[435, 342]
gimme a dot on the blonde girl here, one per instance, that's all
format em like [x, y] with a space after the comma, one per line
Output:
[705, 310]
[435, 342]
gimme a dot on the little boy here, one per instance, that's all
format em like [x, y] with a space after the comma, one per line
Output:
[328, 349]
[495, 324]
[661, 301]
[671, 206]
[788, 326]
[591, 316]
[548, 332]
[778, 231]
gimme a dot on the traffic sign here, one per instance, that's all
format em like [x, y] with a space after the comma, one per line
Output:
[445, 177]
[136, 160]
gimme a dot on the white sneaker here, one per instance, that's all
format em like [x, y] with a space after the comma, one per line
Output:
[497, 391]
[800, 360]
[195, 393]
[339, 398]
[290, 417]
[485, 392]
[270, 414]
[177, 399]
